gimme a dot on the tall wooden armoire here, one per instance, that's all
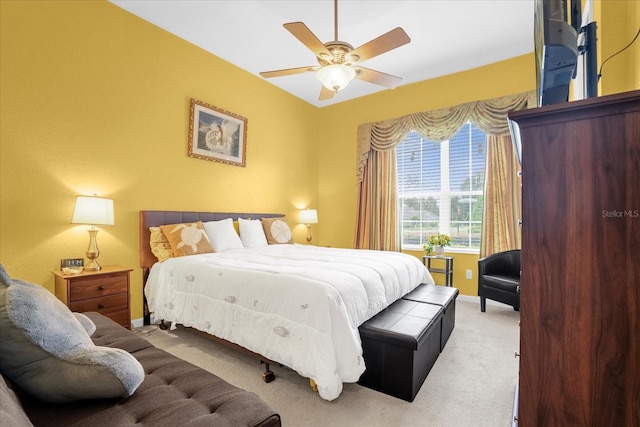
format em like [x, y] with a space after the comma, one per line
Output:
[580, 284]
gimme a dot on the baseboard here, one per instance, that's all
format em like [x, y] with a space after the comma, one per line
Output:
[140, 322]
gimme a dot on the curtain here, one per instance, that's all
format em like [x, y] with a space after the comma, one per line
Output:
[502, 198]
[376, 228]
[376, 219]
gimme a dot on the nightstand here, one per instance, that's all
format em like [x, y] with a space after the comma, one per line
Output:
[447, 270]
[105, 291]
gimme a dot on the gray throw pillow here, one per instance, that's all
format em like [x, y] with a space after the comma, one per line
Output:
[47, 352]
[86, 323]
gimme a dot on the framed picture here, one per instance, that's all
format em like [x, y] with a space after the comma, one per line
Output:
[217, 135]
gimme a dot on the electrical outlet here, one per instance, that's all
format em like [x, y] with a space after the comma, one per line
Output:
[71, 262]
[469, 274]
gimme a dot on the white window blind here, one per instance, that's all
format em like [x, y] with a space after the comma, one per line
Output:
[440, 187]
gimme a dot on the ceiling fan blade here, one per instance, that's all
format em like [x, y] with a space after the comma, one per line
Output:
[304, 34]
[378, 78]
[386, 42]
[325, 94]
[287, 71]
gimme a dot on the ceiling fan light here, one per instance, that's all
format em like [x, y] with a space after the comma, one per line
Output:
[335, 77]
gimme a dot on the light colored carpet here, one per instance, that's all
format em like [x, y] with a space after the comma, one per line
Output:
[471, 384]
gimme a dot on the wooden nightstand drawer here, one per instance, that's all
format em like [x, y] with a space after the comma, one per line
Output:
[97, 287]
[102, 305]
[105, 291]
[121, 317]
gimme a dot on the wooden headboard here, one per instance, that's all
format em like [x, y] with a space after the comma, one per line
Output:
[158, 218]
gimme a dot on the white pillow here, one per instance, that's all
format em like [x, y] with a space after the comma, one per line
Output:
[222, 235]
[252, 233]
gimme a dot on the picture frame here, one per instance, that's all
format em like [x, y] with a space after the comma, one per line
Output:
[216, 134]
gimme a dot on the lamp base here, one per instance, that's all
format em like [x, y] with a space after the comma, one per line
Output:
[308, 234]
[92, 265]
[93, 252]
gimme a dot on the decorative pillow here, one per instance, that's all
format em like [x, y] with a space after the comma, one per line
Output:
[252, 233]
[222, 235]
[277, 230]
[187, 238]
[86, 323]
[46, 352]
[160, 246]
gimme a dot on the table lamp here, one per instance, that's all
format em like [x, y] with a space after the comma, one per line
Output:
[308, 217]
[94, 211]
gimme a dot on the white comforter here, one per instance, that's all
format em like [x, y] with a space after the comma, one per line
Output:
[298, 305]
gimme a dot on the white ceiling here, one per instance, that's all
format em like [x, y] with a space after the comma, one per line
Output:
[447, 36]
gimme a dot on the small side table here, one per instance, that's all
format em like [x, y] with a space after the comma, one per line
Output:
[447, 270]
[105, 291]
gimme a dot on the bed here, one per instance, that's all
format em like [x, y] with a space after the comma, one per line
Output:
[296, 305]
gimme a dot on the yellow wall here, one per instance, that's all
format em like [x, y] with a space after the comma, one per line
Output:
[618, 22]
[95, 100]
[635, 52]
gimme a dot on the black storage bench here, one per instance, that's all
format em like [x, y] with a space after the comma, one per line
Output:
[442, 296]
[400, 346]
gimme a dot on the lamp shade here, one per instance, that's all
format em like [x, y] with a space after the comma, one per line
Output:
[308, 216]
[335, 77]
[93, 211]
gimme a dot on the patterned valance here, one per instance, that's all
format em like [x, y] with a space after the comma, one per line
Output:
[439, 125]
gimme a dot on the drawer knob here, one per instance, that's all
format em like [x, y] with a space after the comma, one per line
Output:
[101, 287]
[100, 306]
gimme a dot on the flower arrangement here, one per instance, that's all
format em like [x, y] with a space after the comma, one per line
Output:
[436, 240]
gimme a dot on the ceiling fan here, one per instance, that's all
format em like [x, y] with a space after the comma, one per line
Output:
[339, 61]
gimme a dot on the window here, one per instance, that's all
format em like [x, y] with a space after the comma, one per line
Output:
[440, 188]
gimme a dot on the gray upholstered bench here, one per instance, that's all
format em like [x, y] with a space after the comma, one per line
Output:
[400, 346]
[443, 296]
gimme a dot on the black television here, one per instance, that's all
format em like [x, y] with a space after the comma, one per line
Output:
[556, 29]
